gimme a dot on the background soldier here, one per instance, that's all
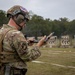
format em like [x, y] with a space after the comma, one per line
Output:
[15, 51]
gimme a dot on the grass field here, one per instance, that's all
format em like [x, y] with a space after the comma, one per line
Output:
[53, 61]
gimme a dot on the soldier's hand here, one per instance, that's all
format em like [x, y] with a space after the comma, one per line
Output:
[41, 42]
[30, 41]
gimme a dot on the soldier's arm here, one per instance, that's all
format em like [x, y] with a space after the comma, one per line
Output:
[21, 47]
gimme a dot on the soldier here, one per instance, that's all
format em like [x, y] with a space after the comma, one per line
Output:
[15, 51]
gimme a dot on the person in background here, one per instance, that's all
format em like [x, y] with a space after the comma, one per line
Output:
[15, 51]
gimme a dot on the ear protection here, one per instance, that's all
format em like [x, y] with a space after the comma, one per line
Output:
[19, 19]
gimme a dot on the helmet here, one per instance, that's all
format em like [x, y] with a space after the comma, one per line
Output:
[18, 10]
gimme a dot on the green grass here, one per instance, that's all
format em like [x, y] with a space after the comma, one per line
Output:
[60, 56]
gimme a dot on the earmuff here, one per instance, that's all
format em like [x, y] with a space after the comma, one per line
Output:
[19, 19]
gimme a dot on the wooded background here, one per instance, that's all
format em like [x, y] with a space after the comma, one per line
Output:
[38, 26]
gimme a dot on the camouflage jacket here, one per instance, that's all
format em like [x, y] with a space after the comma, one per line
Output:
[15, 41]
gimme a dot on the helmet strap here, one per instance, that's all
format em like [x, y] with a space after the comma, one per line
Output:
[19, 19]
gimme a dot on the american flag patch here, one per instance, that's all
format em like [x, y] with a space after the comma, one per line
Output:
[23, 9]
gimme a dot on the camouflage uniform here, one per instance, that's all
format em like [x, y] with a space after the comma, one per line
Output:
[15, 43]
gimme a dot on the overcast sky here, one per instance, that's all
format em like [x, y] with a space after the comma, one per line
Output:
[53, 9]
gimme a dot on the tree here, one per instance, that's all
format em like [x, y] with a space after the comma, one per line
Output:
[3, 18]
[71, 28]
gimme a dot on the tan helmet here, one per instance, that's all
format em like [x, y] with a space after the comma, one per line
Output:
[18, 10]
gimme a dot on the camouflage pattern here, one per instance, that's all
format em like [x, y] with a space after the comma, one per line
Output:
[14, 41]
[18, 9]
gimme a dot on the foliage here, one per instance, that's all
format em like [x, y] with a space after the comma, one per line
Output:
[38, 26]
[3, 18]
